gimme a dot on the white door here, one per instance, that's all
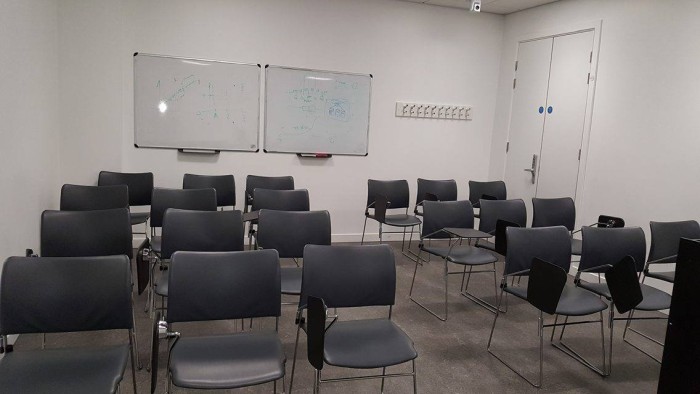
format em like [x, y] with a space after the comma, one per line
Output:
[547, 118]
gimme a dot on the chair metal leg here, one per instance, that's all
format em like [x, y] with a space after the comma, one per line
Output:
[611, 321]
[43, 341]
[410, 296]
[294, 359]
[415, 377]
[136, 344]
[317, 381]
[380, 233]
[465, 293]
[630, 317]
[383, 373]
[566, 349]
[362, 241]
[132, 342]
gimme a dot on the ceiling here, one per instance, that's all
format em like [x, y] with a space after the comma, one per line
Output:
[502, 7]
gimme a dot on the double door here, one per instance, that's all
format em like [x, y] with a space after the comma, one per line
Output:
[551, 88]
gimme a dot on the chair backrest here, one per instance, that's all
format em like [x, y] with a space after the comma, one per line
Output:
[201, 231]
[665, 237]
[607, 246]
[545, 284]
[289, 232]
[494, 189]
[225, 186]
[140, 185]
[551, 244]
[444, 190]
[86, 233]
[65, 294]
[223, 285]
[623, 284]
[349, 276]
[513, 211]
[396, 192]
[190, 199]
[548, 212]
[440, 214]
[281, 200]
[253, 182]
[90, 198]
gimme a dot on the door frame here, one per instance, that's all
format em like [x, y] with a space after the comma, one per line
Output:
[596, 26]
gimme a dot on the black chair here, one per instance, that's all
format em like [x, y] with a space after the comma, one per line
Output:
[86, 233]
[253, 182]
[604, 221]
[603, 248]
[225, 186]
[278, 200]
[197, 231]
[512, 211]
[434, 190]
[489, 190]
[188, 199]
[385, 195]
[140, 189]
[549, 212]
[665, 237]
[207, 286]
[438, 215]
[350, 277]
[89, 198]
[289, 232]
[66, 294]
[538, 249]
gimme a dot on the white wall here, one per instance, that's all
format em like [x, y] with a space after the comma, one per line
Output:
[643, 161]
[415, 52]
[29, 125]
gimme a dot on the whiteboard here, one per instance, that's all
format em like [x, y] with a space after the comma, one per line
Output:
[311, 111]
[195, 104]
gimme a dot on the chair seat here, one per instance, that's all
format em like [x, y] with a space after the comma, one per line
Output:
[161, 287]
[573, 301]
[139, 217]
[482, 243]
[367, 344]
[67, 370]
[291, 280]
[576, 246]
[654, 299]
[227, 361]
[402, 220]
[466, 255]
[667, 276]
[156, 242]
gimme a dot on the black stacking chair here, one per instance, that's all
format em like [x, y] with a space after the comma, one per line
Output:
[490, 190]
[434, 190]
[383, 196]
[665, 237]
[438, 215]
[351, 277]
[604, 221]
[189, 199]
[548, 212]
[278, 200]
[140, 189]
[603, 248]
[225, 186]
[66, 294]
[90, 198]
[289, 232]
[207, 286]
[546, 289]
[198, 231]
[253, 182]
[86, 233]
[512, 211]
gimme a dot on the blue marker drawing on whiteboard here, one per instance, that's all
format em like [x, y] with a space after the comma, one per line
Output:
[338, 110]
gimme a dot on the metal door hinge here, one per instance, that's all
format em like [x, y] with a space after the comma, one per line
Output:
[588, 79]
[507, 146]
[579, 155]
[590, 59]
[514, 83]
[516, 65]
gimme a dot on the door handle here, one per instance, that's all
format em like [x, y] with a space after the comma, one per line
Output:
[533, 169]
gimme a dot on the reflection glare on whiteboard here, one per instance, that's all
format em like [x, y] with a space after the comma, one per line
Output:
[162, 107]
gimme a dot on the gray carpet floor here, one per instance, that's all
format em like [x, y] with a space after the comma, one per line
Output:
[452, 355]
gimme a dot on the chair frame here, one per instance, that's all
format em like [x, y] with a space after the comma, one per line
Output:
[380, 206]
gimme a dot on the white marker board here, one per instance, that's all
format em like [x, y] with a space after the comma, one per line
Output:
[311, 111]
[185, 103]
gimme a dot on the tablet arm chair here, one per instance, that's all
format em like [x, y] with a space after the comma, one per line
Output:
[209, 286]
[512, 211]
[225, 186]
[66, 294]
[279, 200]
[434, 190]
[490, 190]
[140, 187]
[253, 182]
[604, 221]
[665, 237]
